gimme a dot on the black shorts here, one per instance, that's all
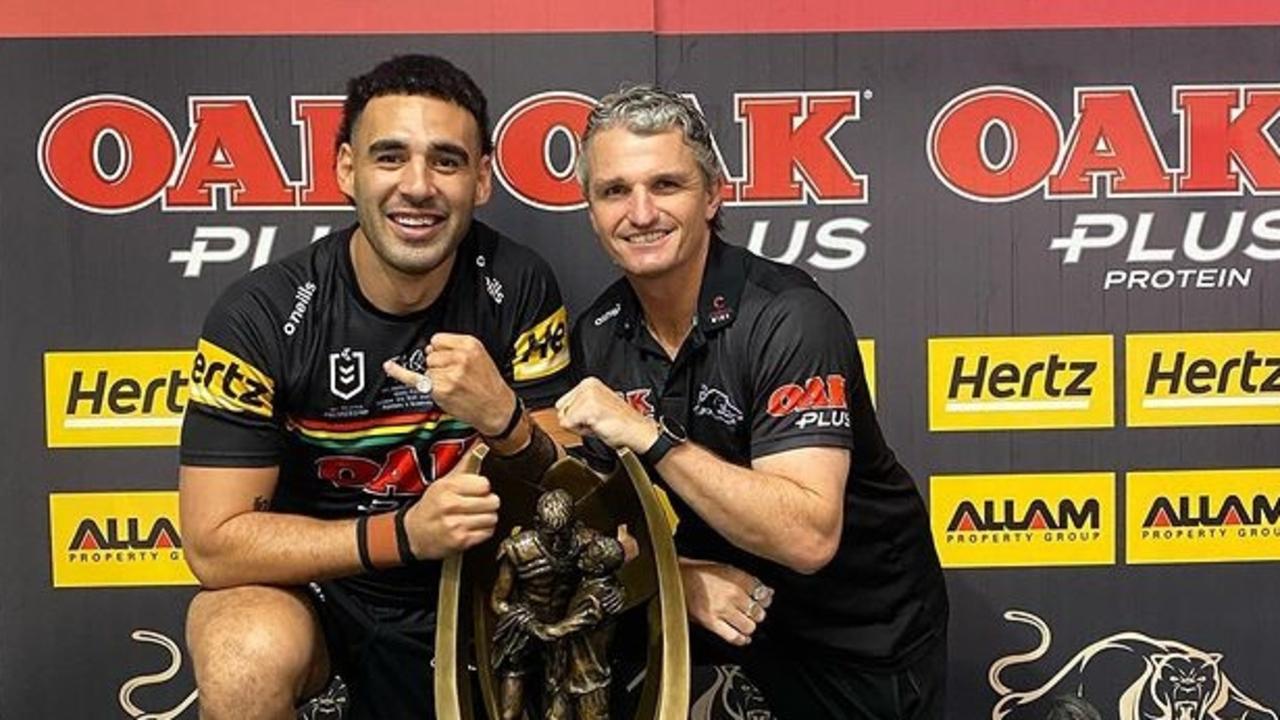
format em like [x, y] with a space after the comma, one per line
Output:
[806, 684]
[382, 653]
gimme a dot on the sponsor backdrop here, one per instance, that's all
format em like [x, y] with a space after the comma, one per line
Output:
[1056, 229]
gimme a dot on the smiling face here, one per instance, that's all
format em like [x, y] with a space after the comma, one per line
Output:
[648, 201]
[415, 172]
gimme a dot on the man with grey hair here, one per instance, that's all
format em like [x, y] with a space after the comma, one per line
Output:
[738, 382]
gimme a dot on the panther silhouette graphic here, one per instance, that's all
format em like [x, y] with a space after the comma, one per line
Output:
[716, 403]
[1125, 676]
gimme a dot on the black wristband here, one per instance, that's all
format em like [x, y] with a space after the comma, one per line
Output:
[527, 465]
[402, 538]
[362, 543]
[516, 413]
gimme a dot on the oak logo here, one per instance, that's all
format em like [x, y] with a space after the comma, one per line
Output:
[1230, 378]
[223, 380]
[543, 349]
[1023, 520]
[1187, 516]
[819, 401]
[113, 399]
[1020, 383]
[116, 539]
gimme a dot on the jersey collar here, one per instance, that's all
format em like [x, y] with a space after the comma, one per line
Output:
[723, 278]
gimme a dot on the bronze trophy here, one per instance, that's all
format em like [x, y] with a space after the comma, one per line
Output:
[527, 618]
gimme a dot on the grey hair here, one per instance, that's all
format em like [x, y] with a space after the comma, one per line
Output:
[650, 110]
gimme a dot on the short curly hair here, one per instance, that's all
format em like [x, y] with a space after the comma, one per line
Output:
[427, 75]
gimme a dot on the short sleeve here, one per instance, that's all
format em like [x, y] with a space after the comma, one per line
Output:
[539, 360]
[231, 418]
[805, 370]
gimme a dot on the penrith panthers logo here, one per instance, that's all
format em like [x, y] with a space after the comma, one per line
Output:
[1125, 676]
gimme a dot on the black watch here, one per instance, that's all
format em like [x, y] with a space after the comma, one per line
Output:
[670, 434]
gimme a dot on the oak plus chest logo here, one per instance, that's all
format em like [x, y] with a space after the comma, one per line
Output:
[346, 373]
[1230, 378]
[1021, 383]
[1023, 520]
[116, 539]
[1197, 516]
[102, 399]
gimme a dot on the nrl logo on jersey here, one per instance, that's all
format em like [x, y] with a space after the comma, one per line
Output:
[346, 373]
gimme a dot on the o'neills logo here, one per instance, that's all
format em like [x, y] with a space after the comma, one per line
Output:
[1023, 520]
[109, 539]
[100, 399]
[1230, 378]
[1015, 383]
[1203, 516]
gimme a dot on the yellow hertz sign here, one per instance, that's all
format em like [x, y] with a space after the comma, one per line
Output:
[867, 350]
[1199, 516]
[103, 399]
[1023, 520]
[116, 539]
[1021, 383]
[1203, 379]
[543, 349]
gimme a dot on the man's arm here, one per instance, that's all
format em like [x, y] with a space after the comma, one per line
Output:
[787, 507]
[232, 538]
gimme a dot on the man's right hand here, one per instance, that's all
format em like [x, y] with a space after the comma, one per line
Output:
[456, 512]
[723, 599]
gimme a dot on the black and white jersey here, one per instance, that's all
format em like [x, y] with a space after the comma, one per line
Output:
[288, 373]
[772, 364]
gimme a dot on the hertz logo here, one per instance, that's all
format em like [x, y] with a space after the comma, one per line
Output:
[1203, 516]
[106, 399]
[1017, 383]
[223, 380]
[1023, 520]
[116, 539]
[1203, 379]
[543, 349]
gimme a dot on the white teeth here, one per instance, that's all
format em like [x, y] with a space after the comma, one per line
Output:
[415, 221]
[647, 238]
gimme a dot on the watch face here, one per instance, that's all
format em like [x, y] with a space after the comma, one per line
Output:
[673, 429]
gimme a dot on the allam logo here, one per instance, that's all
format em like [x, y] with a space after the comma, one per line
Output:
[1200, 516]
[112, 539]
[1023, 520]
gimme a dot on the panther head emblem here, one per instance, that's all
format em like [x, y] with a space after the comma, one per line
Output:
[1182, 684]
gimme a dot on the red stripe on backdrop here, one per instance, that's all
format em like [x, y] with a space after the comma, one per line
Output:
[68, 18]
[679, 17]
[38, 18]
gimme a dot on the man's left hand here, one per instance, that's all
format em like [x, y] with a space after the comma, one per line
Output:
[592, 408]
[463, 381]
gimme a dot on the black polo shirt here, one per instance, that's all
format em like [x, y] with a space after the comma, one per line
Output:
[770, 365]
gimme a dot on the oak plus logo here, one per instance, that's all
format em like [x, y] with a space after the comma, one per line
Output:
[1197, 516]
[116, 539]
[998, 144]
[1230, 378]
[106, 399]
[1023, 520]
[1021, 383]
